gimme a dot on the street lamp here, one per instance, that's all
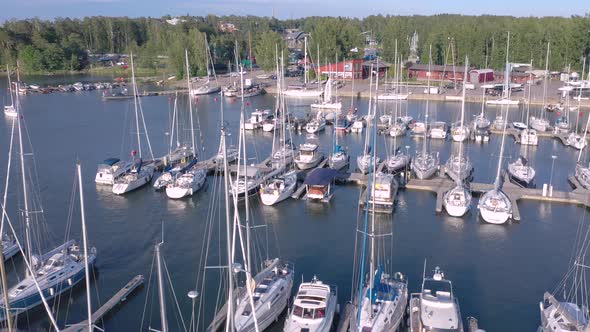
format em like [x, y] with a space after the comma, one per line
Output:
[553, 157]
[193, 296]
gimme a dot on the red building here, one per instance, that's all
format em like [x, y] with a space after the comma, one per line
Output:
[481, 75]
[437, 72]
[517, 77]
[344, 69]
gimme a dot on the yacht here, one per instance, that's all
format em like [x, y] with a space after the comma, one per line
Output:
[270, 125]
[365, 162]
[138, 175]
[521, 173]
[499, 123]
[248, 182]
[582, 174]
[495, 207]
[425, 165]
[187, 183]
[438, 130]
[397, 129]
[278, 189]
[308, 156]
[341, 124]
[316, 125]
[397, 162]
[382, 193]
[314, 308]
[457, 201]
[256, 119]
[111, 169]
[271, 289]
[519, 125]
[318, 184]
[284, 155]
[205, 89]
[529, 137]
[357, 126]
[405, 120]
[539, 124]
[327, 102]
[576, 141]
[419, 129]
[459, 133]
[435, 308]
[458, 168]
[10, 111]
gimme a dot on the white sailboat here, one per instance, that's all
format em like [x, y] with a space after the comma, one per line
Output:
[327, 101]
[365, 160]
[316, 125]
[308, 156]
[140, 173]
[425, 164]
[540, 123]
[208, 87]
[460, 132]
[574, 139]
[339, 158]
[435, 308]
[305, 90]
[494, 205]
[582, 173]
[521, 172]
[381, 298]
[314, 308]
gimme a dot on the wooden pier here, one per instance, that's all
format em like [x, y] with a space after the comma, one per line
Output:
[118, 298]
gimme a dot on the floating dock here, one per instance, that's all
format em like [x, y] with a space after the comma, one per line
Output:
[118, 298]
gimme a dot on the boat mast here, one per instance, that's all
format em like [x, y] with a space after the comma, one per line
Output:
[367, 137]
[305, 61]
[507, 91]
[84, 238]
[427, 103]
[497, 181]
[459, 178]
[2, 267]
[528, 104]
[10, 86]
[161, 295]
[580, 96]
[29, 252]
[135, 106]
[190, 104]
[369, 192]
[545, 78]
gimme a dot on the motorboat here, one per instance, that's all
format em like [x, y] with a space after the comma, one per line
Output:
[257, 118]
[166, 178]
[205, 89]
[308, 156]
[10, 111]
[482, 135]
[382, 193]
[425, 165]
[278, 189]
[338, 159]
[521, 173]
[110, 169]
[357, 126]
[529, 137]
[557, 316]
[386, 119]
[499, 123]
[576, 141]
[562, 125]
[314, 308]
[270, 125]
[458, 168]
[318, 184]
[187, 183]
[481, 122]
[303, 92]
[457, 201]
[284, 155]
[249, 182]
[439, 130]
[137, 176]
[341, 124]
[520, 125]
[270, 290]
[503, 102]
[391, 95]
[435, 308]
[351, 116]
[316, 125]
[419, 129]
[405, 120]
[397, 129]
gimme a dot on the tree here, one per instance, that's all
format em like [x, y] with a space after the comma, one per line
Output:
[265, 49]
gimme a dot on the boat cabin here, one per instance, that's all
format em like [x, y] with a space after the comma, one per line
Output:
[318, 184]
[311, 301]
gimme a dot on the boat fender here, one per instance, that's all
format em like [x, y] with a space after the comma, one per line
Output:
[70, 283]
[399, 275]
[51, 291]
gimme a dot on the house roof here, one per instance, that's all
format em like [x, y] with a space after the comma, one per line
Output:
[381, 64]
[433, 68]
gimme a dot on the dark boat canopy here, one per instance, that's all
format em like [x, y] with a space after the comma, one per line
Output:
[320, 177]
[111, 161]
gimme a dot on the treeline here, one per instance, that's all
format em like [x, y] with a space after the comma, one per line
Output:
[64, 43]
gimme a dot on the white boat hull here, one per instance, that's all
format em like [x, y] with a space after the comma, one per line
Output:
[303, 93]
[145, 178]
[331, 106]
[494, 217]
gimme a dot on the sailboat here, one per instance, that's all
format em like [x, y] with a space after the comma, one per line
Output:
[398, 125]
[305, 90]
[327, 102]
[339, 158]
[314, 308]
[574, 139]
[9, 110]
[381, 297]
[139, 173]
[582, 173]
[481, 124]
[51, 273]
[207, 87]
[459, 167]
[540, 123]
[316, 125]
[368, 158]
[521, 173]
[425, 163]
[506, 90]
[281, 187]
[191, 178]
[435, 308]
[494, 205]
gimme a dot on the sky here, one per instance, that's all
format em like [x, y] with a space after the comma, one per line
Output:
[282, 9]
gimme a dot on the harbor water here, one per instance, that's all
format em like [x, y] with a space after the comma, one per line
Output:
[499, 272]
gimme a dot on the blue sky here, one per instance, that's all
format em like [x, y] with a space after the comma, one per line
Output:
[48, 9]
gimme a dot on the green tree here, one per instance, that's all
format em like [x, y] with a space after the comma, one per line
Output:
[265, 49]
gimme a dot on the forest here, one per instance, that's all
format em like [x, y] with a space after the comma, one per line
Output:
[64, 44]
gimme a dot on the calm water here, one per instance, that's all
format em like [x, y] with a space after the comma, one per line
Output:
[499, 272]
